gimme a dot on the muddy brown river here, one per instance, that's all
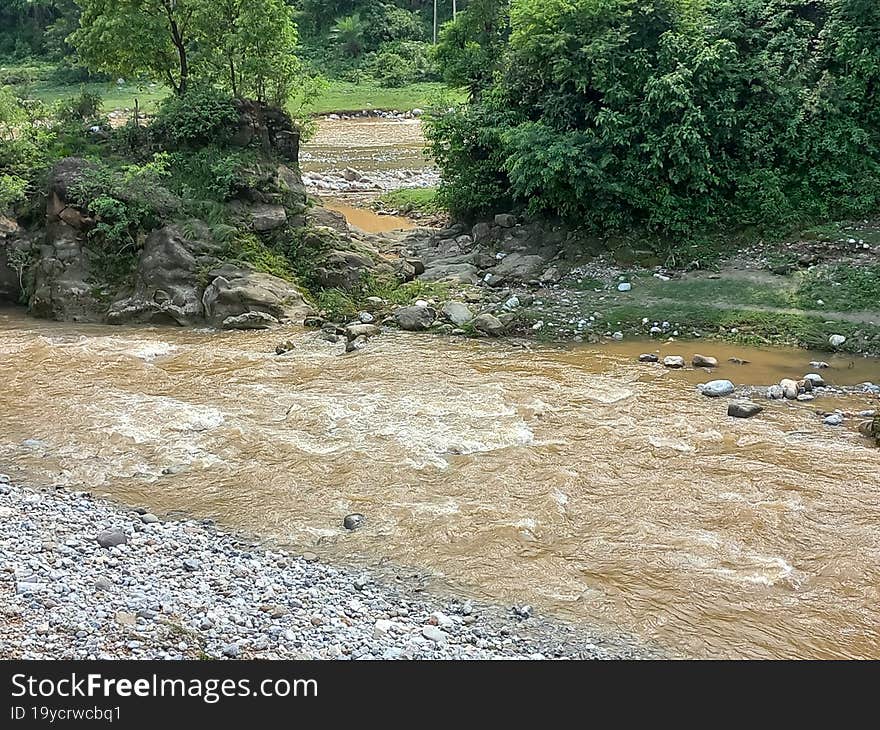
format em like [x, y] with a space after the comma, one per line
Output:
[577, 480]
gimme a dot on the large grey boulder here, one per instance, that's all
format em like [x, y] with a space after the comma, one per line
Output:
[250, 321]
[15, 252]
[463, 273]
[64, 287]
[415, 319]
[343, 270]
[457, 313]
[743, 409]
[234, 291]
[489, 324]
[265, 217]
[167, 286]
[518, 267]
[717, 388]
[64, 279]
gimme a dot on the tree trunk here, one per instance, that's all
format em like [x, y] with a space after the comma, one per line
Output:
[177, 40]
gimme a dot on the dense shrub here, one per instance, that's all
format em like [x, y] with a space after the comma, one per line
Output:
[400, 63]
[84, 107]
[203, 116]
[674, 115]
[25, 136]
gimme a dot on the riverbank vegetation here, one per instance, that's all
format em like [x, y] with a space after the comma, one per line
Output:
[668, 116]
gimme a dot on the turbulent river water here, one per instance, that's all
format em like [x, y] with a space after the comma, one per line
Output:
[590, 486]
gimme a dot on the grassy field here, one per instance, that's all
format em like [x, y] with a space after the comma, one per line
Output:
[409, 201]
[345, 96]
[39, 80]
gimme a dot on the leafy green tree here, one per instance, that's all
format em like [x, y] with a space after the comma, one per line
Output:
[247, 46]
[155, 38]
[471, 48]
[674, 115]
[348, 33]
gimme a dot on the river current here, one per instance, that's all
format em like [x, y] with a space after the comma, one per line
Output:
[577, 480]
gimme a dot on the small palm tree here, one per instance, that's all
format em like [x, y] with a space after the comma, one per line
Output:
[349, 33]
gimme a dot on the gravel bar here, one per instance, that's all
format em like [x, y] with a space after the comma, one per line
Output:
[85, 578]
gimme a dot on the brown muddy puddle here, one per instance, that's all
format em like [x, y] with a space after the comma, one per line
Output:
[576, 480]
[367, 220]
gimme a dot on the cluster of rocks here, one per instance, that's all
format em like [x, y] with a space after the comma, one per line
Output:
[376, 114]
[449, 318]
[804, 390]
[82, 578]
[801, 390]
[499, 253]
[350, 180]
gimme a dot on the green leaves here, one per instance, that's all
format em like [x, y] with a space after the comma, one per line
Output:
[674, 115]
[244, 46]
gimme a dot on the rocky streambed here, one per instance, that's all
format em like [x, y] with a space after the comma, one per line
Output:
[84, 578]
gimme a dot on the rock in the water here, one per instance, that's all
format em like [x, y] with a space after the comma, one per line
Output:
[835, 419]
[743, 409]
[285, 347]
[789, 388]
[624, 286]
[235, 291]
[673, 361]
[457, 313]
[836, 340]
[358, 343]
[738, 361]
[415, 319]
[819, 365]
[816, 380]
[703, 361]
[354, 521]
[353, 331]
[775, 392]
[489, 324]
[648, 357]
[717, 388]
[250, 321]
[111, 538]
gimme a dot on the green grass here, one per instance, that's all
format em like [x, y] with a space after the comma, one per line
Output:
[40, 79]
[841, 288]
[724, 291]
[750, 327]
[408, 201]
[347, 96]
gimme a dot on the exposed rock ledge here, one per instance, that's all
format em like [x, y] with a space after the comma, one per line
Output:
[180, 279]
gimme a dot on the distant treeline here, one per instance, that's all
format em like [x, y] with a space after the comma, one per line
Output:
[388, 40]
